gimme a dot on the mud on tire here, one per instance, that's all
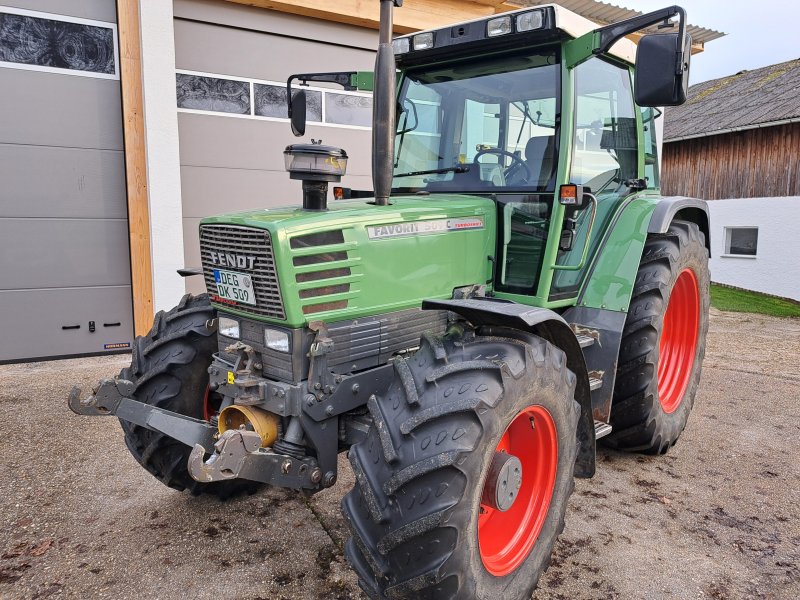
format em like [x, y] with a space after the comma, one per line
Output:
[420, 472]
[170, 370]
[638, 414]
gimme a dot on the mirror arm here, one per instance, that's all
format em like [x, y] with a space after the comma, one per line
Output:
[611, 34]
[344, 79]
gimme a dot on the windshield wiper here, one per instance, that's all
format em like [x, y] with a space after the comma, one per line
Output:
[458, 169]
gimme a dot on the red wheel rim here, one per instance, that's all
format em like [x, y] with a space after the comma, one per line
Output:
[208, 410]
[678, 343]
[507, 538]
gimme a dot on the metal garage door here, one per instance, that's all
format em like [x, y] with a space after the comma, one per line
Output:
[64, 261]
[232, 62]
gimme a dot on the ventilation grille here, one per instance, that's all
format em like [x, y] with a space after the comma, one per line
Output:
[323, 271]
[250, 249]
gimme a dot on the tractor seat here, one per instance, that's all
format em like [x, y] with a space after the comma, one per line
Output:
[540, 157]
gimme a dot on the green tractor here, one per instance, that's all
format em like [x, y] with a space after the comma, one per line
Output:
[513, 289]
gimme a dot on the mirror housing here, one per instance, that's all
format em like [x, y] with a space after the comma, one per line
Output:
[662, 70]
[297, 113]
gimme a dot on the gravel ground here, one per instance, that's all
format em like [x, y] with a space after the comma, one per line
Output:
[718, 517]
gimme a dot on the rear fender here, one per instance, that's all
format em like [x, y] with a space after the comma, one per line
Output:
[686, 209]
[549, 326]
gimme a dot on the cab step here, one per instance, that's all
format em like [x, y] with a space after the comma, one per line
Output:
[601, 429]
[595, 383]
[585, 340]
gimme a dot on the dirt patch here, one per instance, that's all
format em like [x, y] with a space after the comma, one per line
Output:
[716, 518]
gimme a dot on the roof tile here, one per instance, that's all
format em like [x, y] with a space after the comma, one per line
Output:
[745, 100]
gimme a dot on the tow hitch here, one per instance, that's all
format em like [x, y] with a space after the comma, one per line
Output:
[235, 453]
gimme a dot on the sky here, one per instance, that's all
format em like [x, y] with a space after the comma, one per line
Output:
[759, 33]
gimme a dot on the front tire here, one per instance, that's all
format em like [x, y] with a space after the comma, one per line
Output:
[663, 343]
[420, 524]
[170, 369]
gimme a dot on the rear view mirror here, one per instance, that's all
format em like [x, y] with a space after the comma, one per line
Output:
[297, 113]
[662, 70]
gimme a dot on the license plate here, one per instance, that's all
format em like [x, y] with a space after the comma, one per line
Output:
[235, 286]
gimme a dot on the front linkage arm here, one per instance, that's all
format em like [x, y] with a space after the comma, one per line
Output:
[236, 453]
[113, 397]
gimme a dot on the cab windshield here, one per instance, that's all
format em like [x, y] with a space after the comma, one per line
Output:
[482, 126]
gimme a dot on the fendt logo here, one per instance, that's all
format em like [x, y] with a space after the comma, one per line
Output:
[225, 259]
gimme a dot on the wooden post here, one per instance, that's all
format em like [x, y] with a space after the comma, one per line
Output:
[135, 163]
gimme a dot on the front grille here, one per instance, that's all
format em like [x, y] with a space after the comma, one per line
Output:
[250, 243]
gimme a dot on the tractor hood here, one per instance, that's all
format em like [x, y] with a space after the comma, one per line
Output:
[292, 266]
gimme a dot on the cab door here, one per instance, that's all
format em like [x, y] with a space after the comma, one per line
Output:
[605, 157]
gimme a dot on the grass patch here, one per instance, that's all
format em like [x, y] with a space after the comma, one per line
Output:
[731, 300]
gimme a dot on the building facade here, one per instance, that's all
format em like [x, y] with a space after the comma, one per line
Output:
[735, 143]
[124, 122]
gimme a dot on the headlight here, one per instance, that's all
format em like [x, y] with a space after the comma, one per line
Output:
[401, 45]
[276, 340]
[423, 41]
[229, 328]
[530, 20]
[499, 26]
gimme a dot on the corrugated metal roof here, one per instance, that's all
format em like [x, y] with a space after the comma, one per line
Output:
[747, 100]
[605, 13]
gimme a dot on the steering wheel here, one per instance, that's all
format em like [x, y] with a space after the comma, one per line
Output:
[516, 161]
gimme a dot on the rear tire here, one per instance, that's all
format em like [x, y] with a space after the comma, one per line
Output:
[663, 343]
[415, 509]
[170, 369]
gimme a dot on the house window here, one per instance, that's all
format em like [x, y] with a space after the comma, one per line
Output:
[256, 99]
[271, 102]
[741, 241]
[213, 94]
[57, 44]
[348, 109]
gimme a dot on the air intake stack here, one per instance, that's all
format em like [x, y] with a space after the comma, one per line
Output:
[316, 166]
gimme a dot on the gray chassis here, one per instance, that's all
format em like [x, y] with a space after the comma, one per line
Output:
[315, 408]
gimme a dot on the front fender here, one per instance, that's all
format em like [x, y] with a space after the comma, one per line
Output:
[550, 326]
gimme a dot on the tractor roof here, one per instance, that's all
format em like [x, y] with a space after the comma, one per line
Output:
[562, 19]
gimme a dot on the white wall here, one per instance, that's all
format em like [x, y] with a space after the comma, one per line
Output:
[163, 159]
[776, 267]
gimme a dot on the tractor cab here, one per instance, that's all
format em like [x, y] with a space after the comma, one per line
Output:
[513, 107]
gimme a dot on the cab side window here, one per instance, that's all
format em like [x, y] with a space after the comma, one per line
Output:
[605, 148]
[605, 155]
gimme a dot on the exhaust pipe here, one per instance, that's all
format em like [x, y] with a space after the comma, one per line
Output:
[383, 100]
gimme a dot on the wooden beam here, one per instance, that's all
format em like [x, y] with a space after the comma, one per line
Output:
[135, 163]
[414, 16]
[697, 48]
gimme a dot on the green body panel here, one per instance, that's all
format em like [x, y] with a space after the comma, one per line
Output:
[612, 273]
[562, 178]
[580, 49]
[363, 80]
[385, 274]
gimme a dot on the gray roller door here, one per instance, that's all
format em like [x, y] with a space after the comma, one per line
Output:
[232, 62]
[64, 259]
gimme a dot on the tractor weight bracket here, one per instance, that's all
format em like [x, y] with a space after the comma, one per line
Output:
[230, 452]
[238, 454]
[112, 397]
